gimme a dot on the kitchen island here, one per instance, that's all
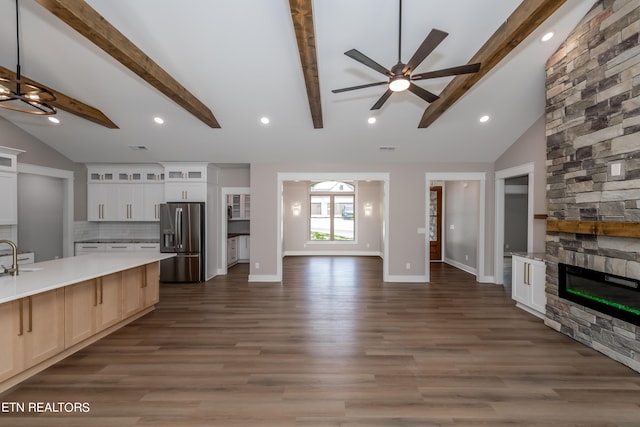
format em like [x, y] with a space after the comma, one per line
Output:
[54, 308]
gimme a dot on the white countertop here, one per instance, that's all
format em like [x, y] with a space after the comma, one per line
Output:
[46, 276]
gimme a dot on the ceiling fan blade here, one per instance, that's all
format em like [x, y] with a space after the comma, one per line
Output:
[364, 59]
[432, 41]
[453, 71]
[358, 87]
[423, 93]
[382, 100]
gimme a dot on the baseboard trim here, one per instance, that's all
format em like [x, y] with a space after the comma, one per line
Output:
[405, 279]
[461, 266]
[264, 278]
[332, 253]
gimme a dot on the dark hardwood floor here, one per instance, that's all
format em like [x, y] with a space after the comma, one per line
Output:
[335, 346]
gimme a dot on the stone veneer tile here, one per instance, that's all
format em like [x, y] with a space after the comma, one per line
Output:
[593, 119]
[601, 135]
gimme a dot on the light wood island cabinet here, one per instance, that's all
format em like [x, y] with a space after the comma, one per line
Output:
[32, 331]
[92, 306]
[41, 327]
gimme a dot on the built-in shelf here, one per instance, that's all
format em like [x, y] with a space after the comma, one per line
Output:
[599, 228]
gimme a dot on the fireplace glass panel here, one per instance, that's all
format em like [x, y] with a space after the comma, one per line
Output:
[614, 295]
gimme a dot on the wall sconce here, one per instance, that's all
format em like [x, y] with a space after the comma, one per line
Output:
[296, 209]
[368, 209]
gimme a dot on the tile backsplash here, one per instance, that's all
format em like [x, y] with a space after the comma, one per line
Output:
[84, 230]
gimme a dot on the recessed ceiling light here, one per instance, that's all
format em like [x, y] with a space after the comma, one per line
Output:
[371, 120]
[54, 120]
[547, 36]
[484, 119]
[158, 120]
[264, 120]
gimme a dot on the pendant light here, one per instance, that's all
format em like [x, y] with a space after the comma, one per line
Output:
[18, 95]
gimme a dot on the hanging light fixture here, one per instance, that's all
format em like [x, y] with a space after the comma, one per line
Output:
[18, 95]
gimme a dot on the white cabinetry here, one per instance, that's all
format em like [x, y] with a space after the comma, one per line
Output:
[153, 198]
[240, 205]
[9, 205]
[243, 248]
[185, 191]
[120, 247]
[147, 247]
[185, 172]
[185, 182]
[232, 251]
[9, 186]
[124, 192]
[528, 285]
[86, 248]
[23, 258]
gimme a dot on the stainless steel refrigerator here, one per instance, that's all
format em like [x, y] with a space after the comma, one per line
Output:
[182, 233]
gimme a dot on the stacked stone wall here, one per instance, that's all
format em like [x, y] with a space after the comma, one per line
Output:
[592, 125]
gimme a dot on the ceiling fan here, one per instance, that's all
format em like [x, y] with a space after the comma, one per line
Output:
[400, 77]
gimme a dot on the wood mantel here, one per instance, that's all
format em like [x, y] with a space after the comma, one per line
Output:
[598, 228]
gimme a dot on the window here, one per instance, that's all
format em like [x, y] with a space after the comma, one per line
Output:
[332, 212]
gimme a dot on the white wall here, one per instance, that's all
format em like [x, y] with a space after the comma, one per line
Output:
[531, 147]
[407, 212]
[368, 227]
[462, 201]
[41, 213]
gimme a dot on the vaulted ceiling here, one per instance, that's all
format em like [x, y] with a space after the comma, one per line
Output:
[211, 69]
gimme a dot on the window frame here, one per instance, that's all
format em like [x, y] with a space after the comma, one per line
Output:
[332, 195]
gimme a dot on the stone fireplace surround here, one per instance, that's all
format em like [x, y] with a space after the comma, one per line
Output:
[592, 125]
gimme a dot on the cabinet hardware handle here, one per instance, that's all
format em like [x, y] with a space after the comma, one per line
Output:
[101, 293]
[95, 293]
[23, 259]
[30, 315]
[21, 313]
[144, 277]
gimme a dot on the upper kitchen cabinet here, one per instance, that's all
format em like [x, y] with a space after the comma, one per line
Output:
[185, 182]
[239, 206]
[124, 192]
[185, 172]
[9, 185]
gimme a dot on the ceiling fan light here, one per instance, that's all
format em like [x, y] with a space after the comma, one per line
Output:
[398, 84]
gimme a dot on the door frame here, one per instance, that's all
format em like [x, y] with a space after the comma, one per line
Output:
[67, 203]
[226, 191]
[501, 176]
[441, 224]
[333, 176]
[459, 176]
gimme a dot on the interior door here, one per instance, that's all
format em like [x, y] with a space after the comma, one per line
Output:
[435, 224]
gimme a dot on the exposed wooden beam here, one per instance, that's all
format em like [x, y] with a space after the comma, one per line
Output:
[302, 16]
[522, 22]
[88, 22]
[66, 103]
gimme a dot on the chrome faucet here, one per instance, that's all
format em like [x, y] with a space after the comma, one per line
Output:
[13, 270]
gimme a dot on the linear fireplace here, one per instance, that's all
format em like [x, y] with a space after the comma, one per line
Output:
[614, 295]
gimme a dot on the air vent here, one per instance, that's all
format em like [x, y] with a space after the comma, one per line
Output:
[138, 147]
[387, 148]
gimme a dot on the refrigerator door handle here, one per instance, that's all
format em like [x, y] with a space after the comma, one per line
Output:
[179, 228]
